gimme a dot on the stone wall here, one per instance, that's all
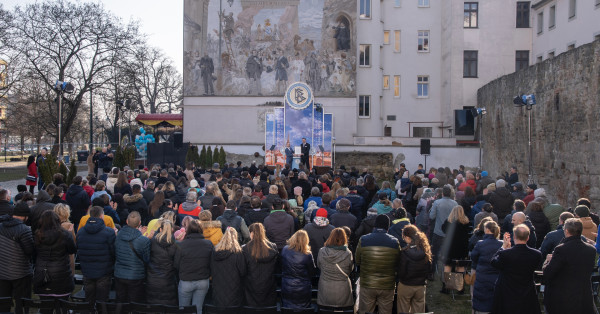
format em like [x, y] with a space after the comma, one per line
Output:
[565, 125]
[380, 164]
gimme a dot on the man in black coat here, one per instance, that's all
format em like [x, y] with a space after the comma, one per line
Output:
[16, 242]
[342, 217]
[5, 207]
[502, 200]
[515, 289]
[305, 150]
[567, 273]
[304, 184]
[78, 200]
[42, 204]
[96, 253]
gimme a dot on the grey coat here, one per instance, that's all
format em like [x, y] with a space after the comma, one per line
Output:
[335, 288]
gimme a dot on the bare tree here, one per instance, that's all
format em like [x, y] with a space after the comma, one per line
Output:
[65, 41]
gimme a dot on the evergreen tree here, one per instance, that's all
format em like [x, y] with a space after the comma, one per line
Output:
[223, 157]
[48, 169]
[208, 163]
[190, 156]
[72, 172]
[202, 161]
[217, 157]
[119, 160]
[62, 169]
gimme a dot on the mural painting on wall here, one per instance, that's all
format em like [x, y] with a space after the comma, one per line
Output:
[263, 45]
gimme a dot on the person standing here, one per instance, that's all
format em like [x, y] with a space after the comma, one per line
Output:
[440, 211]
[335, 263]
[413, 270]
[32, 174]
[254, 68]
[514, 291]
[207, 69]
[104, 160]
[41, 158]
[486, 275]
[132, 251]
[281, 65]
[228, 267]
[377, 256]
[305, 150]
[567, 273]
[298, 267]
[261, 257]
[289, 154]
[78, 200]
[96, 253]
[161, 278]
[16, 242]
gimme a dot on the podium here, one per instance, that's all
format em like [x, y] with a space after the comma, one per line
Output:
[296, 162]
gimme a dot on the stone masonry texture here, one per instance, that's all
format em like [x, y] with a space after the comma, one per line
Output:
[565, 125]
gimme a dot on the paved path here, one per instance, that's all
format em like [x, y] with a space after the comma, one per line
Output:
[12, 185]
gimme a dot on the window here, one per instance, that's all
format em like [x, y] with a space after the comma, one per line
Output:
[423, 3]
[570, 47]
[365, 55]
[419, 131]
[386, 37]
[364, 106]
[523, 14]
[397, 3]
[552, 17]
[538, 59]
[365, 9]
[391, 117]
[521, 60]
[387, 131]
[397, 41]
[551, 54]
[540, 22]
[423, 86]
[386, 82]
[423, 44]
[572, 8]
[470, 63]
[396, 85]
[471, 14]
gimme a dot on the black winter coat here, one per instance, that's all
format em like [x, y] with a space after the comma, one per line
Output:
[502, 202]
[514, 292]
[96, 249]
[192, 260]
[414, 267]
[317, 236]
[567, 277]
[365, 227]
[253, 216]
[259, 284]
[161, 276]
[542, 226]
[52, 273]
[279, 226]
[137, 203]
[483, 292]
[16, 242]
[344, 218]
[227, 270]
[124, 190]
[6, 208]
[79, 202]
[297, 271]
[148, 196]
[457, 237]
[42, 204]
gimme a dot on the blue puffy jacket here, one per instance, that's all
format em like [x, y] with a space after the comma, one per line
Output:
[128, 265]
[96, 249]
[297, 271]
[485, 280]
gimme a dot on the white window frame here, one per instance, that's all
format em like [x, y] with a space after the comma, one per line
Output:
[366, 63]
[540, 23]
[386, 40]
[397, 86]
[423, 3]
[366, 97]
[423, 35]
[397, 38]
[552, 17]
[386, 82]
[366, 7]
[422, 80]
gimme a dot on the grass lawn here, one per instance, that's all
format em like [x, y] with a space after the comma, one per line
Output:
[443, 303]
[12, 173]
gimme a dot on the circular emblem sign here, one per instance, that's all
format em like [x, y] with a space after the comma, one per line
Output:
[299, 96]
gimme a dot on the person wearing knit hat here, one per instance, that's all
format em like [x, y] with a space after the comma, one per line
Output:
[483, 181]
[23, 210]
[491, 187]
[377, 255]
[529, 190]
[318, 231]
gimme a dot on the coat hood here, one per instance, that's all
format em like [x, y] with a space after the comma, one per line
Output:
[334, 256]
[129, 234]
[414, 253]
[74, 190]
[43, 196]
[189, 206]
[278, 217]
[8, 221]
[94, 225]
[229, 214]
[210, 228]
[132, 198]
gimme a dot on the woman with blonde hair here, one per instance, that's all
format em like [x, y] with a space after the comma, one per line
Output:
[170, 192]
[334, 187]
[260, 256]
[63, 211]
[298, 267]
[414, 268]
[335, 262]
[457, 229]
[161, 280]
[228, 267]
[155, 224]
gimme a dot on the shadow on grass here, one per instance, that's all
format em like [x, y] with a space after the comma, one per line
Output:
[443, 303]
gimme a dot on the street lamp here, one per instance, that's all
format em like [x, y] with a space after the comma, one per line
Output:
[61, 87]
[479, 112]
[528, 101]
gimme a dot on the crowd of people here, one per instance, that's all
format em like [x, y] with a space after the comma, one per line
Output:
[255, 236]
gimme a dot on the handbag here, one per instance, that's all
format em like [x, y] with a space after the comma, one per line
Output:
[470, 278]
[31, 178]
[454, 280]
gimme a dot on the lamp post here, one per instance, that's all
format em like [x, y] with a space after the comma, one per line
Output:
[61, 88]
[479, 112]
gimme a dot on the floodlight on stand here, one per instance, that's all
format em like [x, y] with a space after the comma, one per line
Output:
[478, 112]
[64, 87]
[525, 100]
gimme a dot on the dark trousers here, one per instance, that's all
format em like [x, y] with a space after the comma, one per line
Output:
[17, 289]
[436, 249]
[130, 290]
[43, 297]
[96, 289]
[31, 188]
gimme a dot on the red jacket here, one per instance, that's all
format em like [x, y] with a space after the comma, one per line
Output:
[32, 171]
[471, 183]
